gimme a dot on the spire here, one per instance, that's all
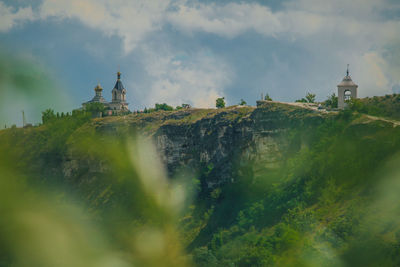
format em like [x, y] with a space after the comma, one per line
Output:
[118, 84]
[347, 69]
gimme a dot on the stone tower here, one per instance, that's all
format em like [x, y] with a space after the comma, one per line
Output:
[118, 96]
[347, 90]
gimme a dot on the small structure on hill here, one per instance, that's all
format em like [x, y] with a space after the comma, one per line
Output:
[98, 97]
[347, 90]
[118, 96]
[118, 103]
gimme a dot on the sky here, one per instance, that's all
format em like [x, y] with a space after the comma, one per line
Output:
[191, 51]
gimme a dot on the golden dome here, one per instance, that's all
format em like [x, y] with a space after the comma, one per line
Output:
[98, 87]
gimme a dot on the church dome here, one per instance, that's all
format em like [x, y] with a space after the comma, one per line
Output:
[98, 87]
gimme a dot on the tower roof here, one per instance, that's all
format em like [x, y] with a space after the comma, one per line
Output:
[347, 81]
[118, 85]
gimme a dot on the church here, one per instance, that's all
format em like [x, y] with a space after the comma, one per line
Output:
[118, 103]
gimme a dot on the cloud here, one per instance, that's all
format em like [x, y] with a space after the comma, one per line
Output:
[374, 80]
[332, 32]
[228, 20]
[10, 18]
[198, 78]
[129, 20]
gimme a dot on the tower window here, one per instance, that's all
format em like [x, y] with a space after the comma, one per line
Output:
[347, 95]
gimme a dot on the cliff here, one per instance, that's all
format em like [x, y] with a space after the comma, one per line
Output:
[211, 141]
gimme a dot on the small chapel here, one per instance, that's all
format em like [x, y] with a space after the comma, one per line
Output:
[118, 103]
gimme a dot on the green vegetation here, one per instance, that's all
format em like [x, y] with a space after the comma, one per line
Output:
[119, 216]
[383, 106]
[332, 101]
[318, 210]
[95, 107]
[48, 115]
[310, 98]
[220, 102]
[267, 97]
[163, 106]
[242, 102]
[90, 191]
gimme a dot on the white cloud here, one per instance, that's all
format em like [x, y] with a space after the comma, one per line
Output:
[228, 20]
[130, 20]
[10, 18]
[196, 79]
[372, 73]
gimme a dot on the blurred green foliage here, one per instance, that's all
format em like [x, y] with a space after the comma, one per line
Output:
[93, 217]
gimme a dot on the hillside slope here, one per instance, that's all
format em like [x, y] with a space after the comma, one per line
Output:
[275, 185]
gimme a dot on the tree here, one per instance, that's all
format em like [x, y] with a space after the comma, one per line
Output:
[332, 101]
[220, 102]
[267, 97]
[310, 97]
[48, 115]
[242, 102]
[163, 106]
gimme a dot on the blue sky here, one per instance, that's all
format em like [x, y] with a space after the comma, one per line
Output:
[190, 51]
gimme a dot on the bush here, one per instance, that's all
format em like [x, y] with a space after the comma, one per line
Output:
[267, 97]
[242, 102]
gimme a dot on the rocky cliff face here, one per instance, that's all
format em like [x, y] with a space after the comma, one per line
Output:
[217, 142]
[231, 138]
